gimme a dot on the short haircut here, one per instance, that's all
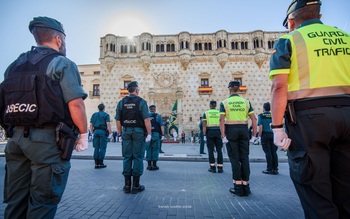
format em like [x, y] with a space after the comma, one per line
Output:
[42, 34]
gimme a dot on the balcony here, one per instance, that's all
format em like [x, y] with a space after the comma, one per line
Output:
[123, 91]
[205, 90]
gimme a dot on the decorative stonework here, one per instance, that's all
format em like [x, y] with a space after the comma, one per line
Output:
[259, 59]
[165, 79]
[146, 61]
[222, 59]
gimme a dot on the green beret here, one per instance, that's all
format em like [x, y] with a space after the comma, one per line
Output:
[132, 84]
[234, 83]
[46, 22]
[297, 4]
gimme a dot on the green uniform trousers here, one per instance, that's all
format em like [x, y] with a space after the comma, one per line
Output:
[35, 175]
[133, 151]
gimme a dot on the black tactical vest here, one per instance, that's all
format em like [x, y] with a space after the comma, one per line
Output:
[155, 125]
[131, 113]
[30, 97]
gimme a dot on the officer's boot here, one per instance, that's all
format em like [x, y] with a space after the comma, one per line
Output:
[212, 169]
[220, 169]
[149, 167]
[97, 164]
[102, 165]
[127, 186]
[155, 167]
[246, 190]
[136, 187]
[237, 190]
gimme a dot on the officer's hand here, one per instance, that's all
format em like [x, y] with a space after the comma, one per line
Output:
[148, 138]
[162, 138]
[120, 139]
[82, 142]
[259, 140]
[252, 140]
[110, 135]
[224, 140]
[280, 138]
[205, 138]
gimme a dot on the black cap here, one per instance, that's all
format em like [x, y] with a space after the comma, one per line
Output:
[297, 4]
[101, 106]
[46, 22]
[212, 102]
[132, 84]
[234, 83]
[152, 106]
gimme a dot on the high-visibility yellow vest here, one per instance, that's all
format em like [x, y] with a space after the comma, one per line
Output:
[320, 62]
[236, 110]
[213, 118]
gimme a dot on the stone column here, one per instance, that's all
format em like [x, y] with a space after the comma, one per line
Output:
[179, 96]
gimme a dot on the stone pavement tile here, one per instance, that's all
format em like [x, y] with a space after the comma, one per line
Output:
[177, 190]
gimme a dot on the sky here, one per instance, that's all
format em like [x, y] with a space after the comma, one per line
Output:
[86, 21]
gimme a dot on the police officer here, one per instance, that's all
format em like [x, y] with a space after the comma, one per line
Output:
[41, 88]
[101, 129]
[266, 138]
[234, 113]
[310, 69]
[133, 124]
[212, 135]
[201, 136]
[157, 136]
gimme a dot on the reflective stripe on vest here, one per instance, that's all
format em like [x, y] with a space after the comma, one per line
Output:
[320, 62]
[213, 118]
[236, 109]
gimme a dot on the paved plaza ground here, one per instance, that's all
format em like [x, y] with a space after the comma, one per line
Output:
[182, 188]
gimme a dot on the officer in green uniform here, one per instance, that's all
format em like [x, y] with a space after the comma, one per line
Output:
[133, 124]
[101, 128]
[310, 68]
[234, 113]
[41, 88]
[266, 138]
[201, 136]
[157, 137]
[212, 135]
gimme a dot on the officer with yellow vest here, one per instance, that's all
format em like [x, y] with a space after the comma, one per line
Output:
[310, 72]
[212, 135]
[234, 114]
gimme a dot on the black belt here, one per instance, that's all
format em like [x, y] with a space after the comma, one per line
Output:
[321, 102]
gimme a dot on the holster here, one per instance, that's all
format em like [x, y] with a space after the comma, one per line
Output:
[66, 138]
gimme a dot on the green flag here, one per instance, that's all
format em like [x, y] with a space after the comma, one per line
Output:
[173, 113]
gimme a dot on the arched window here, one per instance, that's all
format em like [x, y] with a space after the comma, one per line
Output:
[234, 45]
[271, 44]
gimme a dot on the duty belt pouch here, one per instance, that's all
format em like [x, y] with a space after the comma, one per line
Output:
[66, 138]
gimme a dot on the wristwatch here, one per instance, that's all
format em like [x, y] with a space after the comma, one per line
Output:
[276, 126]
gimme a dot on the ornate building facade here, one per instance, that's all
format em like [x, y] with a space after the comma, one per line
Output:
[192, 68]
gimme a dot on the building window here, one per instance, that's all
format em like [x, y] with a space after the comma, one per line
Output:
[146, 46]
[234, 45]
[126, 83]
[96, 72]
[160, 48]
[198, 46]
[184, 45]
[204, 82]
[221, 43]
[123, 49]
[132, 48]
[244, 45]
[238, 79]
[170, 47]
[96, 90]
[207, 46]
[271, 44]
[258, 43]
